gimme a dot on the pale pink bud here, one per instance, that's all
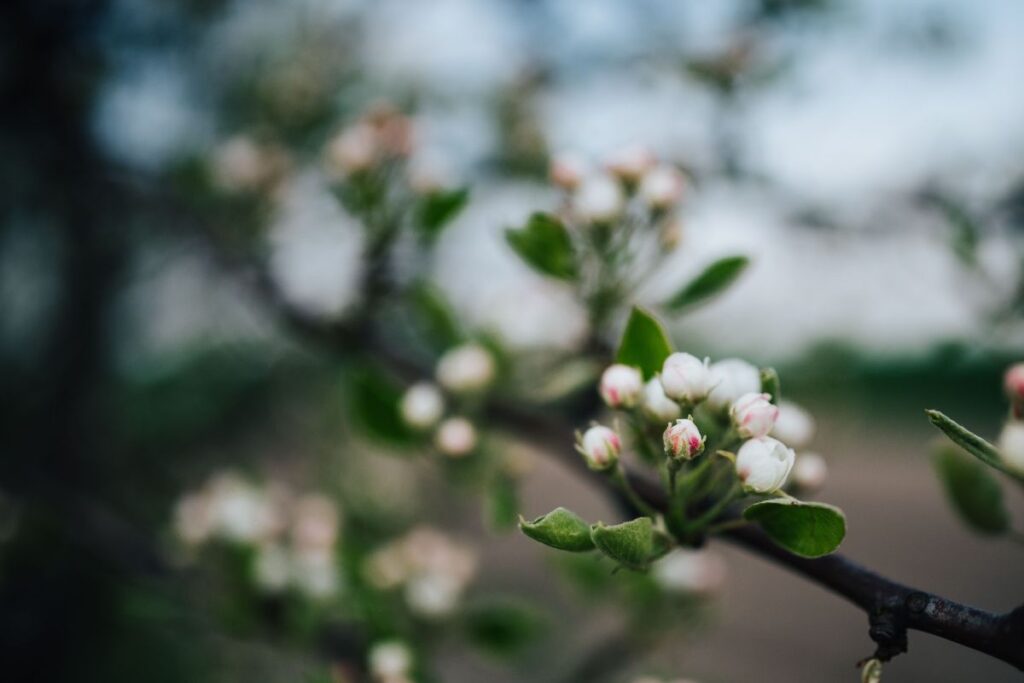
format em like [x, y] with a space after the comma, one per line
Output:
[600, 447]
[466, 369]
[794, 426]
[352, 150]
[657, 405]
[810, 471]
[683, 440]
[753, 415]
[599, 199]
[763, 464]
[314, 523]
[1011, 445]
[456, 437]
[1013, 382]
[730, 379]
[662, 187]
[567, 171]
[621, 386]
[422, 405]
[686, 378]
[630, 163]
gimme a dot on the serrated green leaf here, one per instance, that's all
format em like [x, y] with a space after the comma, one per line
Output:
[438, 209]
[805, 529]
[562, 529]
[971, 442]
[631, 544]
[545, 245]
[712, 280]
[972, 491]
[644, 344]
[771, 385]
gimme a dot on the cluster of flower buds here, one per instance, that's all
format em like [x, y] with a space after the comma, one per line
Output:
[600, 194]
[243, 164]
[1011, 439]
[390, 661]
[295, 537]
[431, 570]
[464, 371]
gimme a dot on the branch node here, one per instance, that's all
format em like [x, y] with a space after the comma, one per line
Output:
[889, 631]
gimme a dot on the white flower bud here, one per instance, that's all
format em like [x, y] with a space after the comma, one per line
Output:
[315, 573]
[567, 171]
[630, 163]
[794, 426]
[810, 471]
[662, 187]
[314, 523]
[1013, 383]
[466, 369]
[683, 440]
[730, 379]
[621, 386]
[1011, 445]
[352, 150]
[753, 415]
[422, 405]
[390, 659]
[763, 464]
[657, 405]
[600, 447]
[690, 571]
[599, 199]
[433, 594]
[686, 378]
[455, 437]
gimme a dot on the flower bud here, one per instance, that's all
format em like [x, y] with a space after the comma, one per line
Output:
[599, 200]
[1013, 383]
[753, 415]
[600, 447]
[690, 571]
[466, 369]
[630, 163]
[422, 405]
[794, 426]
[809, 471]
[686, 378]
[662, 187]
[763, 464]
[352, 150]
[390, 659]
[567, 171]
[456, 437]
[683, 440]
[657, 405]
[730, 379]
[621, 386]
[314, 523]
[1011, 445]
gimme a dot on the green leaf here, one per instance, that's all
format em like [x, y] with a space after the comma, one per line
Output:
[805, 529]
[374, 406]
[502, 503]
[435, 318]
[561, 529]
[631, 544]
[504, 627]
[545, 245]
[438, 209]
[644, 343]
[971, 442]
[713, 280]
[770, 384]
[972, 491]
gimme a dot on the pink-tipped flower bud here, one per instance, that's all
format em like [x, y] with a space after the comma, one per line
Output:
[630, 163]
[455, 437]
[753, 415]
[730, 379]
[810, 472]
[683, 440]
[763, 464]
[686, 378]
[621, 386]
[662, 187]
[567, 171]
[600, 447]
[657, 405]
[1013, 383]
[1011, 445]
[599, 199]
[422, 405]
[466, 369]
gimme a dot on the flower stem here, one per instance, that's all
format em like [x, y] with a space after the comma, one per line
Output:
[619, 477]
